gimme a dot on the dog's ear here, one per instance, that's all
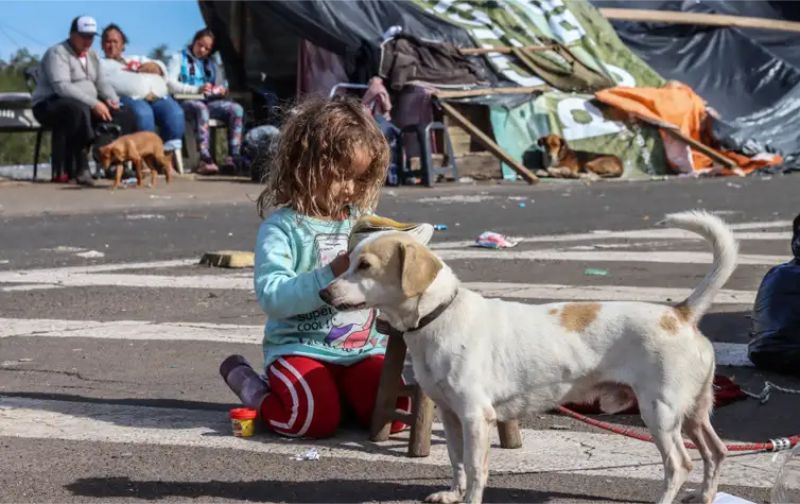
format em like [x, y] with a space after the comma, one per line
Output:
[104, 153]
[419, 268]
[562, 146]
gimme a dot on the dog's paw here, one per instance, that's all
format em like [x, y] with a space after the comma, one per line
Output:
[445, 497]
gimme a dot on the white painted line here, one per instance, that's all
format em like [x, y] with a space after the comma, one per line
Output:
[131, 330]
[643, 234]
[27, 287]
[728, 354]
[22, 276]
[601, 292]
[56, 278]
[764, 225]
[648, 234]
[655, 256]
[567, 452]
[491, 289]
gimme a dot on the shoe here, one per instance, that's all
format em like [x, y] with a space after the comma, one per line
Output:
[61, 179]
[85, 179]
[207, 168]
[244, 381]
[229, 164]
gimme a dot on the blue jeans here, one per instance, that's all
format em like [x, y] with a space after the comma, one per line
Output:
[164, 112]
[395, 138]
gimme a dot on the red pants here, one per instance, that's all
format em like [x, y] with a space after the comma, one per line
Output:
[306, 396]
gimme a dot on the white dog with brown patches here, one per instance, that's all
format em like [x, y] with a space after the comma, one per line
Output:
[483, 360]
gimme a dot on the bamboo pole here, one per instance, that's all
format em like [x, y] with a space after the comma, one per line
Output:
[705, 149]
[488, 143]
[472, 51]
[444, 94]
[696, 18]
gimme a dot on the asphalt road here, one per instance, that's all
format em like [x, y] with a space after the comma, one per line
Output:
[110, 338]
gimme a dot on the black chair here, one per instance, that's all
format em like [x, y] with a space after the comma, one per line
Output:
[31, 78]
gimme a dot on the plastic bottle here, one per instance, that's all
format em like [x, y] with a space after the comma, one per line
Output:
[787, 483]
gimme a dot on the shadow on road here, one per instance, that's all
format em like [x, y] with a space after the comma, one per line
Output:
[331, 490]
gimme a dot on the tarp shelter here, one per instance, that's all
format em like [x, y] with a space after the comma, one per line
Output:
[262, 41]
[750, 76]
[302, 46]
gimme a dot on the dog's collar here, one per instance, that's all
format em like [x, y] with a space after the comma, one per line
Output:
[427, 319]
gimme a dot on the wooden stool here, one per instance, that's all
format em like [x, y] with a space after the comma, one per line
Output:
[421, 417]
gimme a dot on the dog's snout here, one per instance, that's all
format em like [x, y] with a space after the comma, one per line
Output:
[325, 295]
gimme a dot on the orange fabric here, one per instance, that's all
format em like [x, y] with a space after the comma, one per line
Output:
[678, 105]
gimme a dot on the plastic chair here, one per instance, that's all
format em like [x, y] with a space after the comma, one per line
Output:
[427, 171]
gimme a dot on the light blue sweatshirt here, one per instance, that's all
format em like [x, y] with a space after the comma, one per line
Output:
[293, 253]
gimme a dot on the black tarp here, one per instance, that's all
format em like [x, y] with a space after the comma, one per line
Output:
[751, 77]
[351, 29]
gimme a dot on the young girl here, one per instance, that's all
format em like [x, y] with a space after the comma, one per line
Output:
[193, 71]
[327, 170]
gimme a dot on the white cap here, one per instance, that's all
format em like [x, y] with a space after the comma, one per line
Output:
[85, 25]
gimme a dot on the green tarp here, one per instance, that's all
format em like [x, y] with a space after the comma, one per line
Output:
[584, 126]
[600, 56]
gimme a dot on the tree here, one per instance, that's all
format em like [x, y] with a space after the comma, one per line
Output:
[160, 53]
[22, 59]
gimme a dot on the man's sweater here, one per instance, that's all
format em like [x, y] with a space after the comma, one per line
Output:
[63, 74]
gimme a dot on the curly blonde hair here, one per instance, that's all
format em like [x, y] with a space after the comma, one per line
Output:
[319, 142]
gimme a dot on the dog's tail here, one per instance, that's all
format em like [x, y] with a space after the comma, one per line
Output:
[714, 230]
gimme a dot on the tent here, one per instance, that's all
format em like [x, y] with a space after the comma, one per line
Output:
[750, 76]
[296, 47]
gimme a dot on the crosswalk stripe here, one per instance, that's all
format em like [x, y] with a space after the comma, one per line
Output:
[743, 233]
[567, 452]
[131, 330]
[650, 256]
[492, 289]
[727, 354]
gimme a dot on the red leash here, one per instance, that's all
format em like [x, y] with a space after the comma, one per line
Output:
[777, 444]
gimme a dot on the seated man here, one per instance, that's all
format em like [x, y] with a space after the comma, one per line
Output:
[142, 86]
[72, 98]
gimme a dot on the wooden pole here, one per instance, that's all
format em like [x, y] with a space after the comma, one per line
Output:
[443, 94]
[708, 151]
[696, 18]
[473, 51]
[509, 434]
[388, 388]
[488, 143]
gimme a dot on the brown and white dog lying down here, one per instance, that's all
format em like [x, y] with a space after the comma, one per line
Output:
[144, 146]
[483, 360]
[563, 162]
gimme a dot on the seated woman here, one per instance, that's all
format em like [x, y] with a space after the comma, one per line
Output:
[74, 100]
[193, 71]
[141, 84]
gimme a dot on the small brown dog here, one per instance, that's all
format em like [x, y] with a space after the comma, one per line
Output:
[137, 147]
[563, 162]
